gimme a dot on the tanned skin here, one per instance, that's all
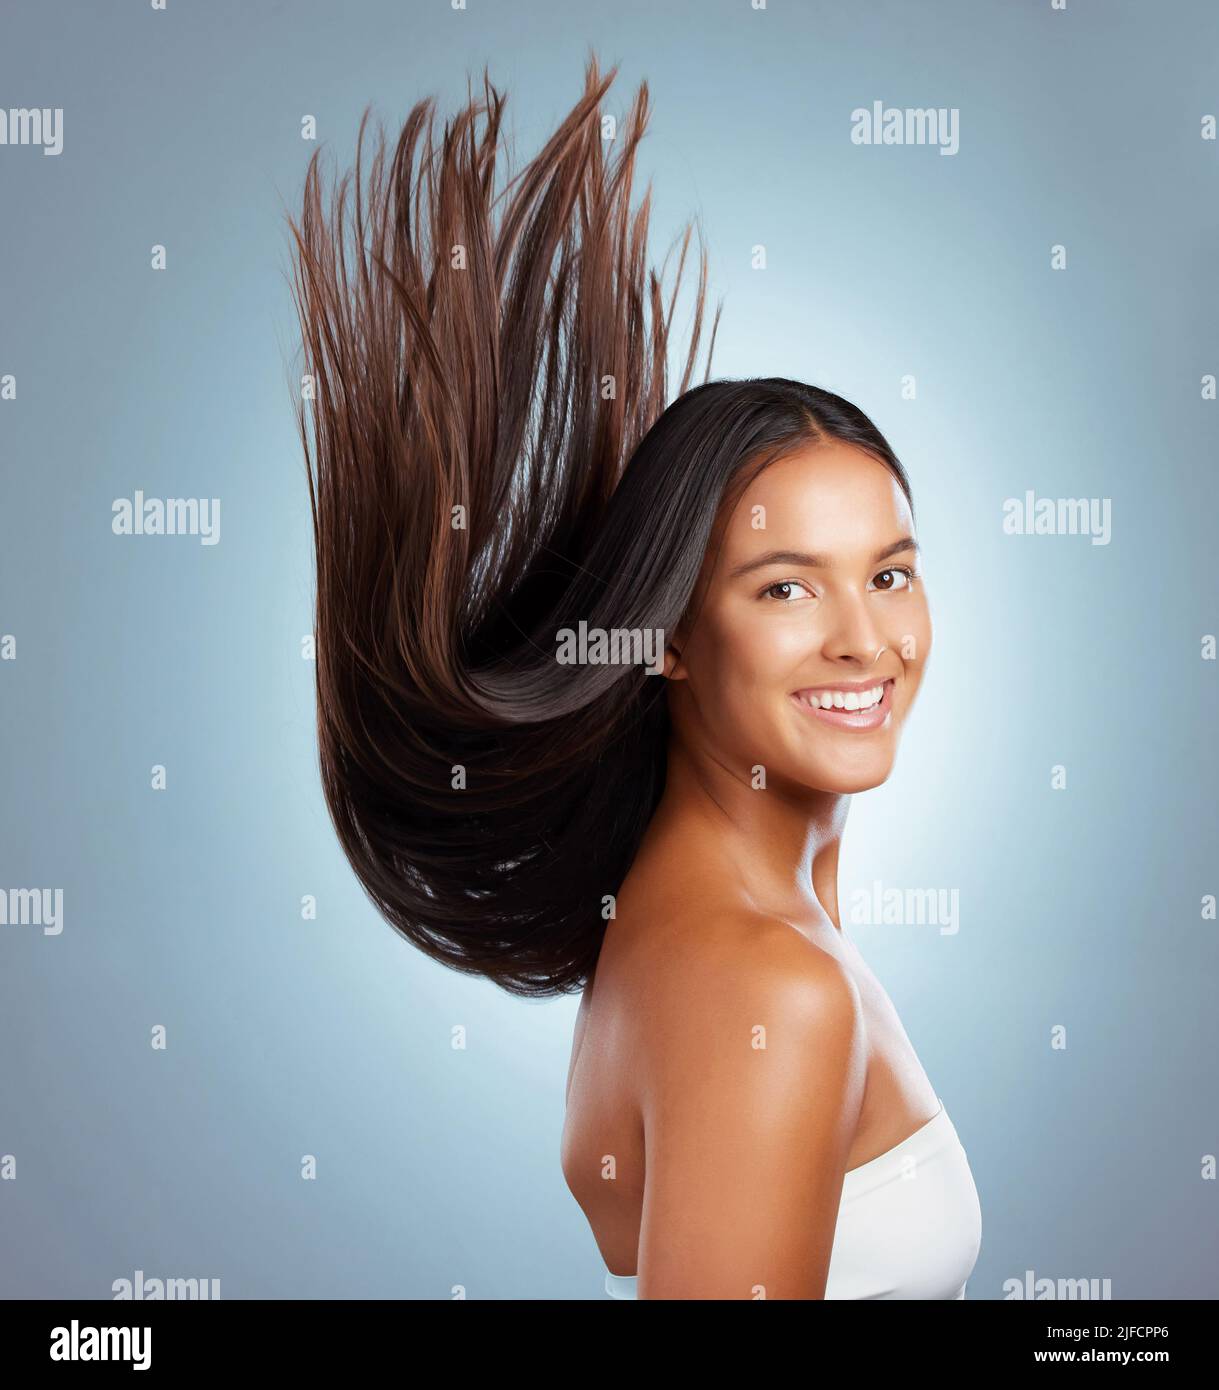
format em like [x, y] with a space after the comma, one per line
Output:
[733, 1054]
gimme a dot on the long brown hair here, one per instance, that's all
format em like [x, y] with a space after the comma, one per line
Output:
[492, 458]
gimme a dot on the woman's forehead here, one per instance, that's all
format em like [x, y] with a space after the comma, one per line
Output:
[830, 496]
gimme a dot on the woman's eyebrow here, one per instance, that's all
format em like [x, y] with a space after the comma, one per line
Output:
[816, 562]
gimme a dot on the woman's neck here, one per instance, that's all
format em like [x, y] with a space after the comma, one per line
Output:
[777, 847]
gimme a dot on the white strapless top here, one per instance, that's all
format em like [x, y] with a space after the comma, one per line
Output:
[909, 1223]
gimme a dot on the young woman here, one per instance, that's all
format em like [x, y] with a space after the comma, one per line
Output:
[511, 522]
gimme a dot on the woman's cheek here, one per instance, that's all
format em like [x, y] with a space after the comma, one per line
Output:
[911, 638]
[778, 642]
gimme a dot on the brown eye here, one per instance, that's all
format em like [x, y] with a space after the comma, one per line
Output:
[891, 587]
[785, 590]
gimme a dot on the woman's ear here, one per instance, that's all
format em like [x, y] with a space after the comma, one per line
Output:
[674, 668]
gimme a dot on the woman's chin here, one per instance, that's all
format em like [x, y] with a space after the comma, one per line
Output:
[846, 780]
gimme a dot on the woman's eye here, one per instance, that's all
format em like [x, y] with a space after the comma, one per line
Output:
[786, 590]
[890, 576]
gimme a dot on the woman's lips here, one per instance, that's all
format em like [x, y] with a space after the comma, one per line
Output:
[857, 720]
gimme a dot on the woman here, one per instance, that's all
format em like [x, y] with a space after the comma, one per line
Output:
[511, 522]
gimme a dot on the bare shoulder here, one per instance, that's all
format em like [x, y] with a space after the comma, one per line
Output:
[744, 987]
[750, 1080]
[745, 957]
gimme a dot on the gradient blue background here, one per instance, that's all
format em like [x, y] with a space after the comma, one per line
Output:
[1079, 908]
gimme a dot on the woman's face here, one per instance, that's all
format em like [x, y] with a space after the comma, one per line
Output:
[807, 600]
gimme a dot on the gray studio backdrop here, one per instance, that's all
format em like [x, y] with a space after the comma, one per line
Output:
[1030, 311]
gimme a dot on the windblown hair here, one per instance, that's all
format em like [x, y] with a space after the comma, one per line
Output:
[492, 458]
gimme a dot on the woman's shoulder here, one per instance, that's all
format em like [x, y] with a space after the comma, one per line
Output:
[697, 975]
[747, 1018]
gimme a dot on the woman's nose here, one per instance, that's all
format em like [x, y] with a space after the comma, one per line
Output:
[853, 632]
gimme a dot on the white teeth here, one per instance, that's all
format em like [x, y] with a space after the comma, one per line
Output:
[846, 699]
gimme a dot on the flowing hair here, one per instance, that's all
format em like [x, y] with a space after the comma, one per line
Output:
[492, 458]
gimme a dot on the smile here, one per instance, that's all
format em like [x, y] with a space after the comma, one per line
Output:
[852, 707]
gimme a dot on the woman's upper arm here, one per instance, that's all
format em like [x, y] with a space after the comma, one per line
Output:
[750, 1105]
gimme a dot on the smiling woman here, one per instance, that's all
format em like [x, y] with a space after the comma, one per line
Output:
[802, 594]
[737, 1059]
[742, 1097]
